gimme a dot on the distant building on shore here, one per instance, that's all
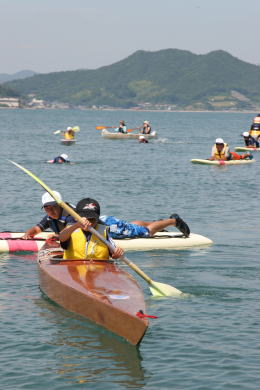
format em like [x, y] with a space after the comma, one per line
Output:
[8, 102]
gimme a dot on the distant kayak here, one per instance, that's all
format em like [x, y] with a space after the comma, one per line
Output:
[246, 149]
[68, 142]
[221, 162]
[113, 135]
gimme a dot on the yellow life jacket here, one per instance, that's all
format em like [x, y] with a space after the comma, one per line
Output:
[68, 135]
[80, 248]
[222, 155]
[255, 132]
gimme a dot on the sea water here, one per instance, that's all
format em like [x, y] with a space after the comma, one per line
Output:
[208, 340]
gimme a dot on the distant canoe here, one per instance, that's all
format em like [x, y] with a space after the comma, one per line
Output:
[113, 135]
[221, 162]
[246, 149]
[68, 142]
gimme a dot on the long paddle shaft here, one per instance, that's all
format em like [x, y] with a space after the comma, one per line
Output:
[157, 289]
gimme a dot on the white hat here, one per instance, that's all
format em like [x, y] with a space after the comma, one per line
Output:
[47, 199]
[245, 134]
[69, 128]
[219, 141]
[147, 122]
[64, 156]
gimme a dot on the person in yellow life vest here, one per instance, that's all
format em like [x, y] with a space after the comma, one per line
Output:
[69, 133]
[255, 128]
[79, 243]
[221, 151]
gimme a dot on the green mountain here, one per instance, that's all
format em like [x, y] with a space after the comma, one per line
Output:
[167, 77]
[6, 91]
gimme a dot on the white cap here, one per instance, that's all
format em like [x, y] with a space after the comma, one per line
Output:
[245, 134]
[219, 141]
[64, 156]
[147, 122]
[47, 199]
[69, 128]
[141, 137]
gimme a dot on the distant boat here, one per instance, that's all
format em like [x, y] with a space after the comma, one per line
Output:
[113, 135]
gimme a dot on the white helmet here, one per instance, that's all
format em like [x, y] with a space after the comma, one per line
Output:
[219, 141]
[64, 156]
[69, 128]
[245, 134]
[147, 122]
[47, 199]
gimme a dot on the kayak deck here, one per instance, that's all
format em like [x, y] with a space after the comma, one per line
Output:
[97, 290]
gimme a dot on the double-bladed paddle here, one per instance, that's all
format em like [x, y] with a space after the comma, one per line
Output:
[156, 288]
[75, 129]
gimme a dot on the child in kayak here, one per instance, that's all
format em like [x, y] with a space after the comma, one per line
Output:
[79, 243]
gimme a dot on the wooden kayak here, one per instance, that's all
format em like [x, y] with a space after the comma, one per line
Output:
[68, 142]
[221, 162]
[113, 135]
[246, 149]
[98, 290]
[10, 242]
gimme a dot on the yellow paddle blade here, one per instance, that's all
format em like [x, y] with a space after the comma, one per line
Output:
[161, 290]
[76, 129]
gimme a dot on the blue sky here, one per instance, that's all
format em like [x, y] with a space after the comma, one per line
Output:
[56, 35]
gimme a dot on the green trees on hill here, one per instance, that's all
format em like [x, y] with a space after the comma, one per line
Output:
[169, 76]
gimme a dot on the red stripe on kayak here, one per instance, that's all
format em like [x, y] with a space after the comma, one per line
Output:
[5, 235]
[22, 245]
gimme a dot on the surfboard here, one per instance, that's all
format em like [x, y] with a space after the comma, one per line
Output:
[246, 149]
[221, 162]
[10, 242]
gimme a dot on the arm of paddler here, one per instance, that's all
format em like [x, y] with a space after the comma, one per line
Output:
[30, 233]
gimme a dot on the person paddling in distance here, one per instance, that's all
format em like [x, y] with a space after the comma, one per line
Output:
[221, 151]
[146, 128]
[69, 133]
[250, 141]
[79, 243]
[121, 128]
[56, 217]
[255, 127]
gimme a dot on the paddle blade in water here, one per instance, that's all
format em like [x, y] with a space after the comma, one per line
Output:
[161, 290]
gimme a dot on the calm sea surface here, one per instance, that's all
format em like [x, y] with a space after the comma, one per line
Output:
[209, 341]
